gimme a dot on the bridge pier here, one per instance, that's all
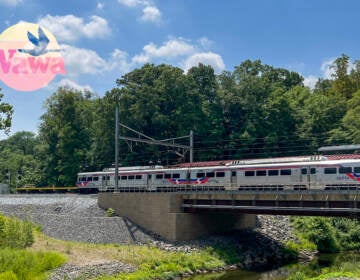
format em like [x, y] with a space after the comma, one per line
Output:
[162, 214]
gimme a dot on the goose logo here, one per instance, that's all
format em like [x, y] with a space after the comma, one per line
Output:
[29, 57]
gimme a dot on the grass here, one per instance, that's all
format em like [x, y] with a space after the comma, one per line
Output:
[151, 262]
[26, 265]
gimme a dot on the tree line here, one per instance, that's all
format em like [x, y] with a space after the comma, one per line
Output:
[254, 111]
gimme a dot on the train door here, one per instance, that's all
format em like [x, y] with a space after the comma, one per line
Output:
[312, 181]
[233, 179]
[295, 176]
[149, 181]
[308, 176]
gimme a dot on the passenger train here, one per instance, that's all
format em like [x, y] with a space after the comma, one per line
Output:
[287, 173]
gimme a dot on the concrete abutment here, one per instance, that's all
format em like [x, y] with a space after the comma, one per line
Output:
[162, 214]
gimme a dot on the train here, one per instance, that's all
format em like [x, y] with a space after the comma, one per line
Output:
[334, 172]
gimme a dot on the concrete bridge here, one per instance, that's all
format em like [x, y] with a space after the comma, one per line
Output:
[189, 215]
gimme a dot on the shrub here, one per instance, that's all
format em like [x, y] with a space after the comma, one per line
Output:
[110, 212]
[329, 234]
[15, 233]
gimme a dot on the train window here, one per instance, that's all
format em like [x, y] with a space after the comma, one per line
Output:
[167, 176]
[96, 178]
[303, 171]
[285, 172]
[273, 172]
[261, 173]
[108, 178]
[344, 170]
[176, 175]
[312, 170]
[123, 177]
[233, 173]
[149, 176]
[210, 174]
[220, 174]
[249, 173]
[104, 178]
[138, 177]
[82, 179]
[159, 176]
[357, 169]
[200, 175]
[330, 170]
[89, 178]
[131, 177]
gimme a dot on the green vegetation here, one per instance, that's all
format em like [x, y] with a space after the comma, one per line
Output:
[341, 266]
[150, 262]
[15, 261]
[327, 235]
[22, 264]
[153, 263]
[110, 212]
[15, 233]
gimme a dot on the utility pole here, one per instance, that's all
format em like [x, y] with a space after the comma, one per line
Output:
[117, 146]
[191, 145]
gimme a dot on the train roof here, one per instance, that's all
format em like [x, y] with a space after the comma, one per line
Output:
[286, 162]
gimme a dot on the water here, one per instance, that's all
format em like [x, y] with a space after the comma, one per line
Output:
[351, 261]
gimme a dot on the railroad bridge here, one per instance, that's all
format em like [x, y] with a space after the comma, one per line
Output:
[188, 215]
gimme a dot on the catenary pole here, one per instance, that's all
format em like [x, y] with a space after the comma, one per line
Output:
[117, 147]
[191, 145]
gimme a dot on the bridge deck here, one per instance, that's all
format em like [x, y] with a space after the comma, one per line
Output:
[312, 203]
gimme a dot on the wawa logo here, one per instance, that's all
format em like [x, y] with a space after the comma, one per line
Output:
[29, 57]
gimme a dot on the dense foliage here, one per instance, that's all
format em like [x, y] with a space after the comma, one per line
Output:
[257, 110]
[329, 235]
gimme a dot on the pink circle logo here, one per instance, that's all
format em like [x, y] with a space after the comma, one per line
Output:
[29, 57]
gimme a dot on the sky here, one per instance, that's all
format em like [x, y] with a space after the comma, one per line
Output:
[102, 40]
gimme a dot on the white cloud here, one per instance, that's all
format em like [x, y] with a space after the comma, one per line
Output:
[85, 61]
[71, 28]
[205, 42]
[174, 49]
[11, 3]
[73, 85]
[81, 61]
[100, 6]
[119, 61]
[169, 49]
[151, 13]
[130, 3]
[310, 81]
[207, 58]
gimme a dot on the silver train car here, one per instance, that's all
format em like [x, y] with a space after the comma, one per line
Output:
[290, 173]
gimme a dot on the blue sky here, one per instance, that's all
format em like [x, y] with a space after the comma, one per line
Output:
[102, 40]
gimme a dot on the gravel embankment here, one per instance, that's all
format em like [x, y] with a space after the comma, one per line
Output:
[72, 217]
[78, 218]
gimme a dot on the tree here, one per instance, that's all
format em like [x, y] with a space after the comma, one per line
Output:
[65, 131]
[6, 112]
[19, 157]
[342, 83]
